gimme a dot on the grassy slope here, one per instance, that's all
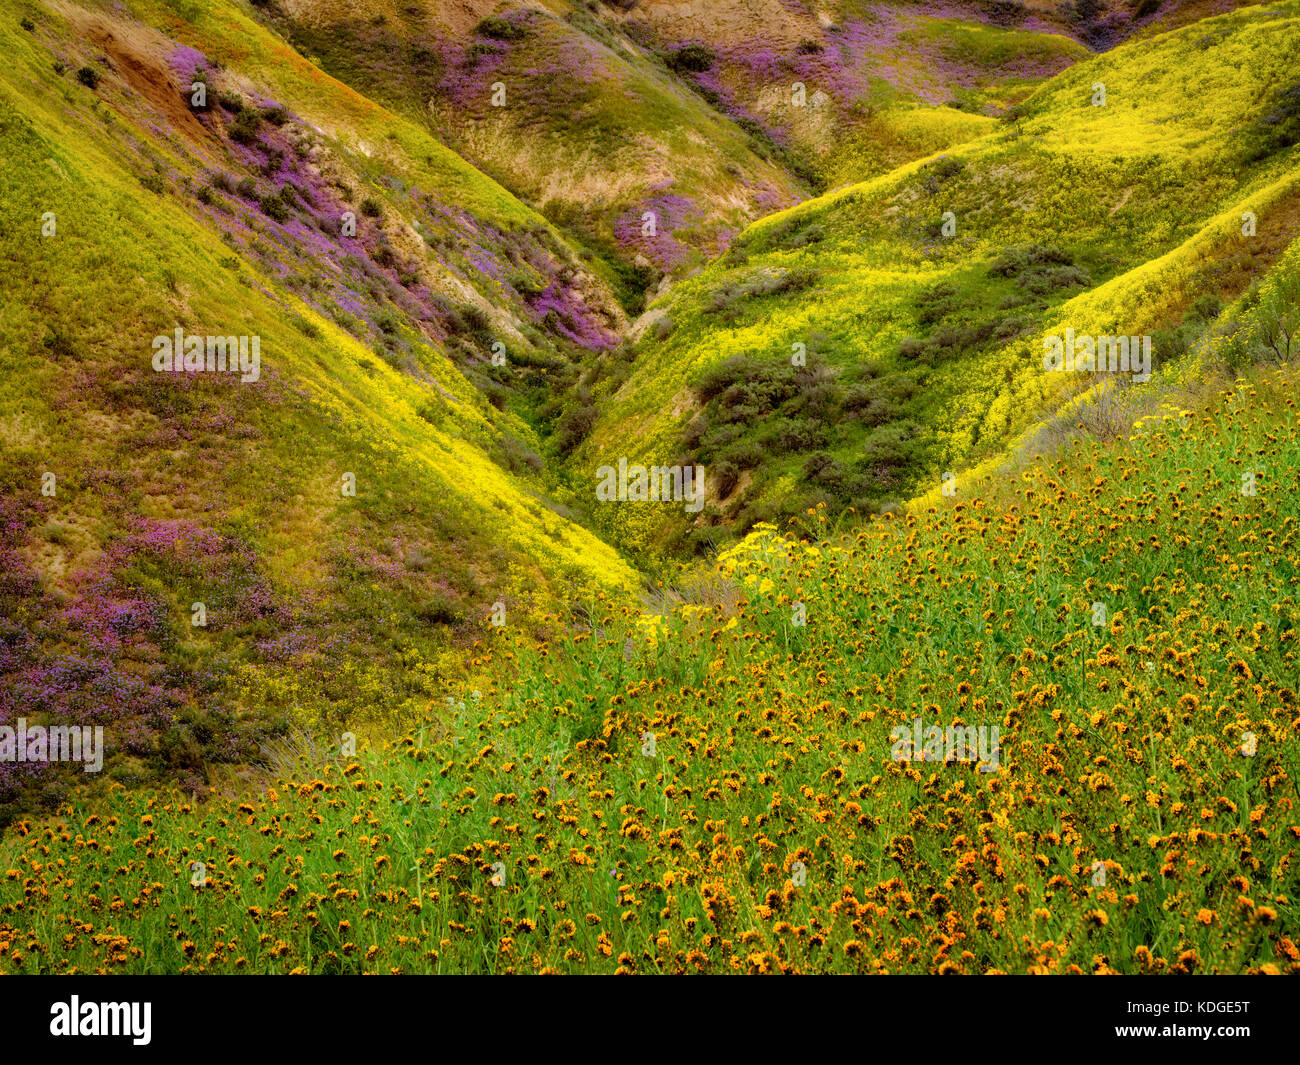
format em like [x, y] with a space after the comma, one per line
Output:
[864, 77]
[172, 490]
[1122, 743]
[594, 131]
[719, 794]
[1143, 195]
[602, 124]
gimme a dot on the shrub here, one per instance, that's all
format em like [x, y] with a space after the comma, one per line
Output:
[821, 466]
[1014, 261]
[153, 182]
[813, 233]
[274, 207]
[942, 169]
[694, 432]
[231, 101]
[936, 302]
[1040, 282]
[247, 188]
[1082, 11]
[88, 76]
[1173, 343]
[500, 29]
[888, 452]
[718, 378]
[517, 457]
[947, 341]
[496, 393]
[244, 129]
[911, 348]
[868, 406]
[745, 454]
[307, 328]
[693, 59]
[59, 343]
[767, 283]
[1206, 308]
[794, 434]
[726, 476]
[371, 208]
[477, 321]
[439, 610]
[1278, 315]
[1004, 13]
[574, 427]
[1006, 330]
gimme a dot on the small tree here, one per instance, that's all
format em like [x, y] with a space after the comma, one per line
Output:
[1279, 315]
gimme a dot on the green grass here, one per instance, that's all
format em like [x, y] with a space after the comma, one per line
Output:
[450, 502]
[593, 130]
[1143, 195]
[717, 789]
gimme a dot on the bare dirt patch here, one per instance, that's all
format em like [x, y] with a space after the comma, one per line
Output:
[138, 56]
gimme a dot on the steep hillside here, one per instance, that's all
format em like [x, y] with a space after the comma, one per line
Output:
[733, 791]
[700, 118]
[854, 89]
[855, 348]
[871, 72]
[339, 334]
[567, 112]
[1098, 23]
[346, 506]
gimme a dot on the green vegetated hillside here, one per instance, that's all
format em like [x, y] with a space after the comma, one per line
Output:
[700, 117]
[728, 791]
[232, 574]
[348, 517]
[852, 88]
[853, 349]
[855, 89]
[569, 113]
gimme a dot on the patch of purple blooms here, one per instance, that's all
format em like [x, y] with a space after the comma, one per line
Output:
[371, 272]
[105, 656]
[668, 212]
[852, 58]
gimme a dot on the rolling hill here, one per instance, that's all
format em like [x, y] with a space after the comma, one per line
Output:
[331, 327]
[853, 349]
